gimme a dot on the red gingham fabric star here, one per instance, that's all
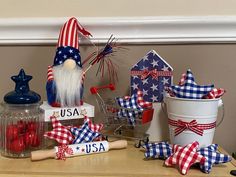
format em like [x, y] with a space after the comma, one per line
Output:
[182, 79]
[141, 102]
[215, 93]
[185, 157]
[59, 133]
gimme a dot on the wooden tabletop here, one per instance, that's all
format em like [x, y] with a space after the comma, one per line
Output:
[126, 162]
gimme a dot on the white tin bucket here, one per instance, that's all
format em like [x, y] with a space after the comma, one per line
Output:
[204, 111]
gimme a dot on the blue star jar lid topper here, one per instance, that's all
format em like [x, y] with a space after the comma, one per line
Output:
[22, 93]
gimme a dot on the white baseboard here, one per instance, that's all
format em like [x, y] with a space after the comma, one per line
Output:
[132, 30]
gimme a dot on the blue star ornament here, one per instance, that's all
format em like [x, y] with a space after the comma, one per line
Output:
[22, 93]
[190, 89]
[83, 134]
[212, 157]
[161, 150]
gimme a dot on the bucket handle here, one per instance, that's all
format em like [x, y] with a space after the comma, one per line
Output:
[220, 104]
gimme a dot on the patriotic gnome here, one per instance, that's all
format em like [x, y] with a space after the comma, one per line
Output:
[65, 77]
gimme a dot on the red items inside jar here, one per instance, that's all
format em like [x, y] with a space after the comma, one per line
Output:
[22, 136]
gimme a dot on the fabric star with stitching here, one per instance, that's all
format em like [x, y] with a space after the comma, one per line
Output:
[185, 157]
[59, 133]
[212, 157]
[160, 150]
[84, 134]
[189, 89]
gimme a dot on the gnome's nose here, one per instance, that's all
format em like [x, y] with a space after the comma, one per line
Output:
[69, 64]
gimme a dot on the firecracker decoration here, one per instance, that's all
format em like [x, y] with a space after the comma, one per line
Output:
[188, 88]
[103, 58]
[151, 75]
[134, 105]
[59, 84]
[59, 133]
[185, 157]
[84, 134]
[161, 150]
[212, 157]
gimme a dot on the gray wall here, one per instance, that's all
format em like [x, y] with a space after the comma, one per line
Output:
[209, 63]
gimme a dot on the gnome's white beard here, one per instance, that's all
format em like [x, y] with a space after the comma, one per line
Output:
[68, 84]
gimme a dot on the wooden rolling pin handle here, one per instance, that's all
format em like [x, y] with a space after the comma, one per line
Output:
[43, 154]
[120, 144]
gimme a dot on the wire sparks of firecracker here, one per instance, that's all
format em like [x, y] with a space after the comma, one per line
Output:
[103, 58]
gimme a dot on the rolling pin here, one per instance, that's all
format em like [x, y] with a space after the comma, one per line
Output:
[61, 152]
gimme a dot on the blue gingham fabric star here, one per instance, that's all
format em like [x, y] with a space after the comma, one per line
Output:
[132, 108]
[130, 102]
[190, 89]
[130, 114]
[212, 157]
[160, 150]
[83, 134]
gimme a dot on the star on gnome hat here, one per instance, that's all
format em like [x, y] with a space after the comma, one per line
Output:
[65, 76]
[68, 42]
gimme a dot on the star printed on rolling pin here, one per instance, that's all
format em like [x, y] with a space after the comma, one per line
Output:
[190, 89]
[59, 133]
[185, 157]
[212, 157]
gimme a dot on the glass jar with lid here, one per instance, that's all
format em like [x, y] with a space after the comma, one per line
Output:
[21, 120]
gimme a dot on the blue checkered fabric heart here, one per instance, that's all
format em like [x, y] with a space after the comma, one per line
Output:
[83, 134]
[212, 157]
[190, 89]
[160, 150]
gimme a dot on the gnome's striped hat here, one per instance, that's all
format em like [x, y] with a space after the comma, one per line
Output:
[68, 42]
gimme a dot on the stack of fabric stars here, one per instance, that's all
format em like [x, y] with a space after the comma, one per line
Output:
[66, 135]
[185, 157]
